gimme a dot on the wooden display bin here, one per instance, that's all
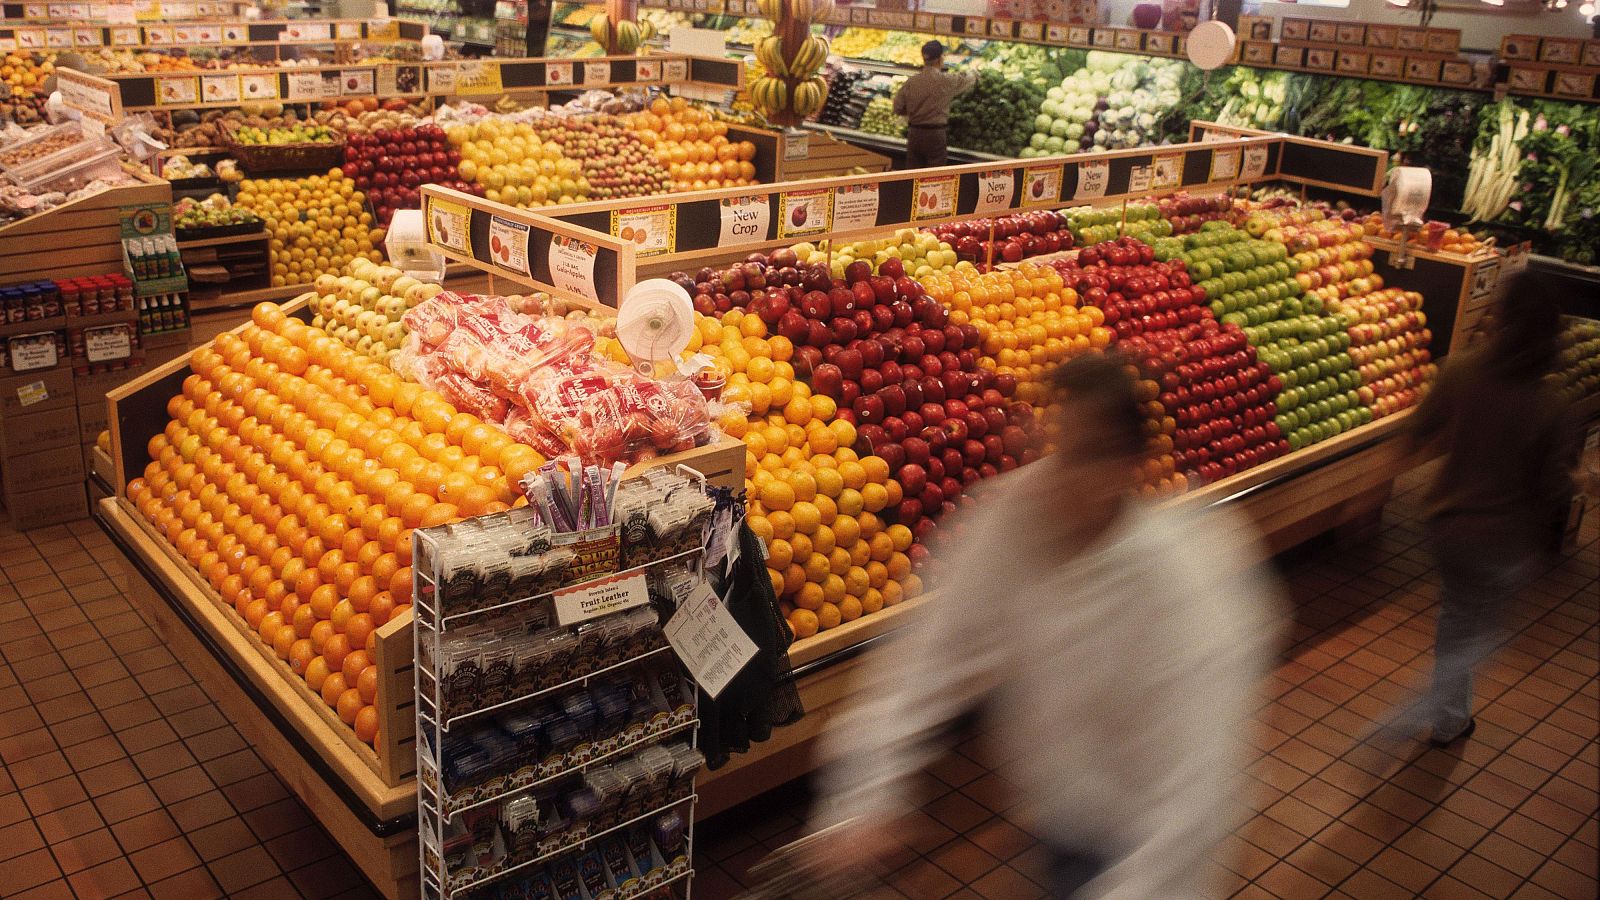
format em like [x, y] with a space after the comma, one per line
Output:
[1456, 290]
[364, 797]
[83, 237]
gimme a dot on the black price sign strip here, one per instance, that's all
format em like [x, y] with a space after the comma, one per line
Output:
[213, 34]
[446, 78]
[528, 248]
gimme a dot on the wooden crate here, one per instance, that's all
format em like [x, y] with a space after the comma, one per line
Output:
[827, 157]
[1456, 290]
[83, 237]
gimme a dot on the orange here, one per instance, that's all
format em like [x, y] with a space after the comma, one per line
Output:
[342, 611]
[414, 509]
[300, 657]
[400, 585]
[382, 609]
[827, 617]
[804, 623]
[335, 649]
[332, 687]
[359, 627]
[366, 724]
[353, 664]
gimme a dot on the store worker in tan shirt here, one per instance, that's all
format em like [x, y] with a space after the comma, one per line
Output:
[924, 100]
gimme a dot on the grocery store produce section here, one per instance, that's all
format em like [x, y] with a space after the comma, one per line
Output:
[334, 320]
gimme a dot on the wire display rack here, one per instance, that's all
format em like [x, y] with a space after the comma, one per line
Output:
[439, 810]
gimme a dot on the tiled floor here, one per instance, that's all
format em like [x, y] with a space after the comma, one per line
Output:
[121, 778]
[1512, 813]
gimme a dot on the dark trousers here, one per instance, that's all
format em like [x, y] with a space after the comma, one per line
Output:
[926, 146]
[1071, 870]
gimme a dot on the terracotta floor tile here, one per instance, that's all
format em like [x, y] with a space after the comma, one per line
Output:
[964, 859]
[86, 850]
[195, 884]
[1001, 838]
[1485, 876]
[126, 803]
[28, 870]
[50, 890]
[164, 860]
[244, 868]
[924, 879]
[1284, 880]
[1006, 883]
[198, 812]
[19, 838]
[147, 830]
[1564, 881]
[109, 879]
[64, 824]
[1322, 863]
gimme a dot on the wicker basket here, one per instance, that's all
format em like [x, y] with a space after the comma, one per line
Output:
[304, 157]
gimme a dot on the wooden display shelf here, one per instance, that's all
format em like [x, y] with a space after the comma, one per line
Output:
[78, 238]
[249, 238]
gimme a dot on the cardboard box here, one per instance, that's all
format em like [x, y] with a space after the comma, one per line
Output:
[91, 421]
[49, 506]
[36, 392]
[93, 388]
[38, 431]
[45, 468]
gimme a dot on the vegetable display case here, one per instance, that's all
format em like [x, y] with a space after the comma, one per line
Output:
[362, 794]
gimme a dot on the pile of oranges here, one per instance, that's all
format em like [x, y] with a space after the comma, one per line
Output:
[317, 225]
[1029, 320]
[814, 501]
[291, 476]
[693, 146]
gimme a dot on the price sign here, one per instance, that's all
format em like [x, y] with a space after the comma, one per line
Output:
[87, 37]
[508, 245]
[125, 36]
[181, 91]
[1056, 34]
[107, 344]
[1140, 178]
[743, 220]
[441, 79]
[709, 641]
[449, 225]
[1000, 29]
[58, 38]
[1255, 162]
[1168, 172]
[1030, 31]
[933, 198]
[597, 73]
[220, 88]
[1042, 185]
[33, 392]
[805, 213]
[1093, 176]
[976, 27]
[259, 86]
[646, 71]
[36, 10]
[235, 34]
[31, 352]
[159, 34]
[556, 73]
[1224, 164]
[601, 598]
[479, 77]
[572, 266]
[652, 229]
[358, 82]
[675, 70]
[347, 31]
[995, 189]
[30, 38]
[855, 207]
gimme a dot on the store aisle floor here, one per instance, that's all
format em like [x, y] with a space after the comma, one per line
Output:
[121, 778]
[1511, 813]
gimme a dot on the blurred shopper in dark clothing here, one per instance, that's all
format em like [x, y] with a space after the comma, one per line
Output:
[1113, 646]
[1503, 481]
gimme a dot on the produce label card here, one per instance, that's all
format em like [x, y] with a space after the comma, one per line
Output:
[709, 640]
[208, 34]
[33, 351]
[305, 85]
[1457, 72]
[34, 392]
[744, 220]
[1030, 31]
[449, 225]
[805, 212]
[1093, 177]
[441, 79]
[1255, 162]
[1224, 165]
[106, 344]
[120, 14]
[1055, 34]
[933, 198]
[1140, 177]
[30, 38]
[601, 598]
[1078, 36]
[1387, 64]
[259, 87]
[235, 34]
[308, 31]
[36, 11]
[181, 91]
[675, 70]
[855, 206]
[87, 37]
[58, 38]
[508, 244]
[1168, 172]
[126, 36]
[479, 77]
[347, 31]
[646, 71]
[220, 88]
[358, 82]
[995, 189]
[557, 73]
[1574, 84]
[652, 229]
[572, 270]
[597, 73]
[1041, 185]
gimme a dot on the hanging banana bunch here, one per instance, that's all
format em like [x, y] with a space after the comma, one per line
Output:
[792, 88]
[621, 38]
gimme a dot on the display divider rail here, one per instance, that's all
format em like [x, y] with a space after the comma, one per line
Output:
[68, 13]
[590, 250]
[84, 35]
[396, 79]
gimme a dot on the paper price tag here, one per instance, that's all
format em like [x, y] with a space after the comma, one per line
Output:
[1140, 178]
[125, 36]
[480, 77]
[674, 70]
[179, 91]
[31, 352]
[1030, 31]
[106, 344]
[596, 73]
[357, 82]
[235, 34]
[347, 31]
[855, 207]
[1092, 180]
[933, 198]
[744, 220]
[305, 85]
[33, 392]
[220, 88]
[58, 38]
[259, 87]
[558, 73]
[30, 38]
[449, 225]
[653, 229]
[158, 34]
[508, 244]
[36, 10]
[601, 598]
[1042, 185]
[1255, 162]
[994, 191]
[441, 79]
[1168, 172]
[708, 640]
[1224, 164]
[572, 266]
[805, 212]
[87, 37]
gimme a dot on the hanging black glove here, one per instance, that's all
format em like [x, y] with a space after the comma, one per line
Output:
[762, 696]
